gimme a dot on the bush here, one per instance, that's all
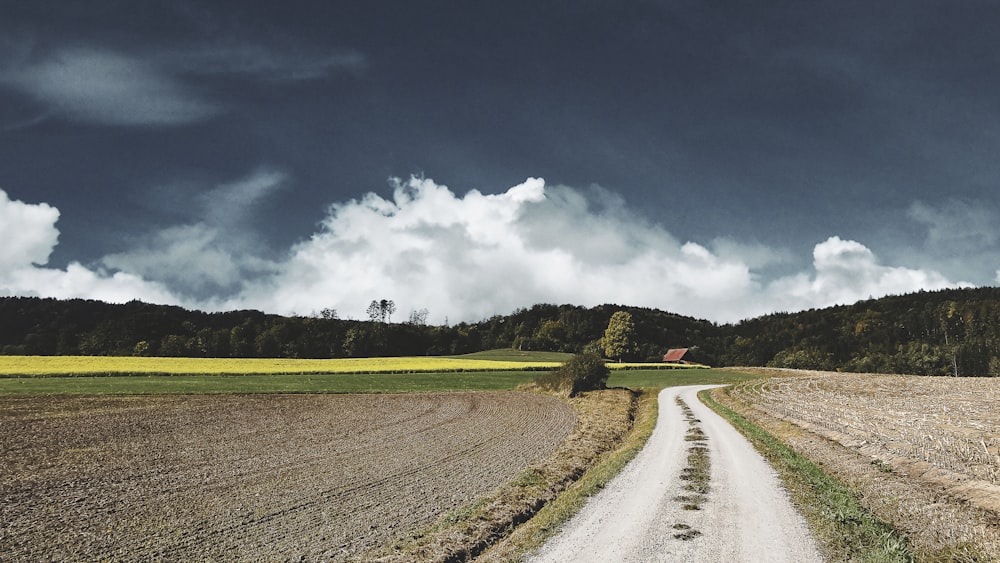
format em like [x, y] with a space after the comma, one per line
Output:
[582, 372]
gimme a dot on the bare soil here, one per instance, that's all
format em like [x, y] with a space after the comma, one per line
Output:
[257, 477]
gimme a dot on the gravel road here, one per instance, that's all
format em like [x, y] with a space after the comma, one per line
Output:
[647, 514]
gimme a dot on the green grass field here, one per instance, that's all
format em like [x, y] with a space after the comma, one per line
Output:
[658, 379]
[89, 375]
[207, 384]
[333, 383]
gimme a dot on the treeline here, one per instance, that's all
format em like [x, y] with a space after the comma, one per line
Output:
[33, 326]
[928, 333]
[948, 332]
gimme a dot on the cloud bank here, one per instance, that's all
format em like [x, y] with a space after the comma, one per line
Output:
[464, 258]
[29, 235]
[469, 257]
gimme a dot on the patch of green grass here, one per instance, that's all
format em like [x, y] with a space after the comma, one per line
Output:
[511, 355]
[849, 531]
[222, 384]
[341, 382]
[658, 379]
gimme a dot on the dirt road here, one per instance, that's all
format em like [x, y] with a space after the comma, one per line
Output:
[697, 492]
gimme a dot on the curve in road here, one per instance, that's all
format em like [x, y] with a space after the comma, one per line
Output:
[666, 505]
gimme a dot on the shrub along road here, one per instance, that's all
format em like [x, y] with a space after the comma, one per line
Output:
[697, 492]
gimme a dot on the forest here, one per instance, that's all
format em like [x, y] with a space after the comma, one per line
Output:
[949, 332]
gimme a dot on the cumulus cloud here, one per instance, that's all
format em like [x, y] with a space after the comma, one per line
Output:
[472, 256]
[29, 235]
[463, 258]
[100, 86]
[845, 271]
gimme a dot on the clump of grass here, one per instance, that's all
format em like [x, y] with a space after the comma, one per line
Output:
[582, 372]
[685, 532]
[847, 530]
[696, 473]
[687, 535]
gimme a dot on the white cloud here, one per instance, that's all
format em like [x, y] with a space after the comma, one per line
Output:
[469, 257]
[29, 235]
[98, 86]
[187, 257]
[461, 257]
[845, 271]
[78, 281]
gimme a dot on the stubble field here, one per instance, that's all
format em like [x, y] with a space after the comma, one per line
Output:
[254, 477]
[924, 452]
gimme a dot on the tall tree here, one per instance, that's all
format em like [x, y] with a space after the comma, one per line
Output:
[374, 312]
[619, 336]
[387, 308]
[381, 310]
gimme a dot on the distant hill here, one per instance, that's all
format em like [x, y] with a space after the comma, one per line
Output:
[926, 333]
[948, 332]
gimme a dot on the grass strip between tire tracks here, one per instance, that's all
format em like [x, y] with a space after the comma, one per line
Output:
[846, 530]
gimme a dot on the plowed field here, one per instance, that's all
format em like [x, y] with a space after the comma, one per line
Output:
[259, 477]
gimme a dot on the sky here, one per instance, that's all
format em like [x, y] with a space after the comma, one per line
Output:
[716, 159]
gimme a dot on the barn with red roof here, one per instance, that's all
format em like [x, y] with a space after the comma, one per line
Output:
[675, 355]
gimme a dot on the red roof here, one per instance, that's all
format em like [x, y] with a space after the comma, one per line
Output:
[674, 354]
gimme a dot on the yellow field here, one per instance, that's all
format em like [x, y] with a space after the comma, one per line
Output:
[110, 365]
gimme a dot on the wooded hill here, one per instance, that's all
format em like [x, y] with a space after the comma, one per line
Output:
[927, 333]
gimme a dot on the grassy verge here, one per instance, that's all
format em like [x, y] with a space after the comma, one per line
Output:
[545, 524]
[658, 379]
[216, 384]
[607, 423]
[846, 530]
[331, 382]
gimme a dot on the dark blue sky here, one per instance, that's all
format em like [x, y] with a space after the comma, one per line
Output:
[810, 152]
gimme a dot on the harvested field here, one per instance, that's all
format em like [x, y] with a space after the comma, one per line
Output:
[924, 452]
[254, 477]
